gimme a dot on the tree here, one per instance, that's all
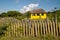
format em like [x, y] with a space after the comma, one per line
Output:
[55, 15]
[3, 14]
[27, 14]
[3, 28]
[13, 13]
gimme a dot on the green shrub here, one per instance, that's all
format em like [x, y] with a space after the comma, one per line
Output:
[3, 28]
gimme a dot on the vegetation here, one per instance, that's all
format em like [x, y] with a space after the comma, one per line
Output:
[51, 15]
[30, 38]
[11, 14]
[16, 14]
[54, 15]
[3, 28]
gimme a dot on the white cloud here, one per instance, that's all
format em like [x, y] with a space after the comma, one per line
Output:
[28, 8]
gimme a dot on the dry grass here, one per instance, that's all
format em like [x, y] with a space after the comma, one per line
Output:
[30, 38]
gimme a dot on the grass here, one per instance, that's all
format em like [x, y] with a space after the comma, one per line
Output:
[20, 38]
[30, 38]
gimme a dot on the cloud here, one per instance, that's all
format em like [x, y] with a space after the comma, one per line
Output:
[28, 8]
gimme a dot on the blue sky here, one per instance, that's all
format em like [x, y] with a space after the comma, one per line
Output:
[47, 5]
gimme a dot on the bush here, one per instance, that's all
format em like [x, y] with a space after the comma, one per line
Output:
[3, 28]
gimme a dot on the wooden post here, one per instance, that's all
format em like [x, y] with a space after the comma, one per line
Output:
[24, 29]
[38, 26]
[16, 29]
[21, 28]
[54, 28]
[27, 29]
[48, 23]
[59, 29]
[9, 32]
[41, 27]
[30, 28]
[33, 28]
[46, 28]
[51, 28]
